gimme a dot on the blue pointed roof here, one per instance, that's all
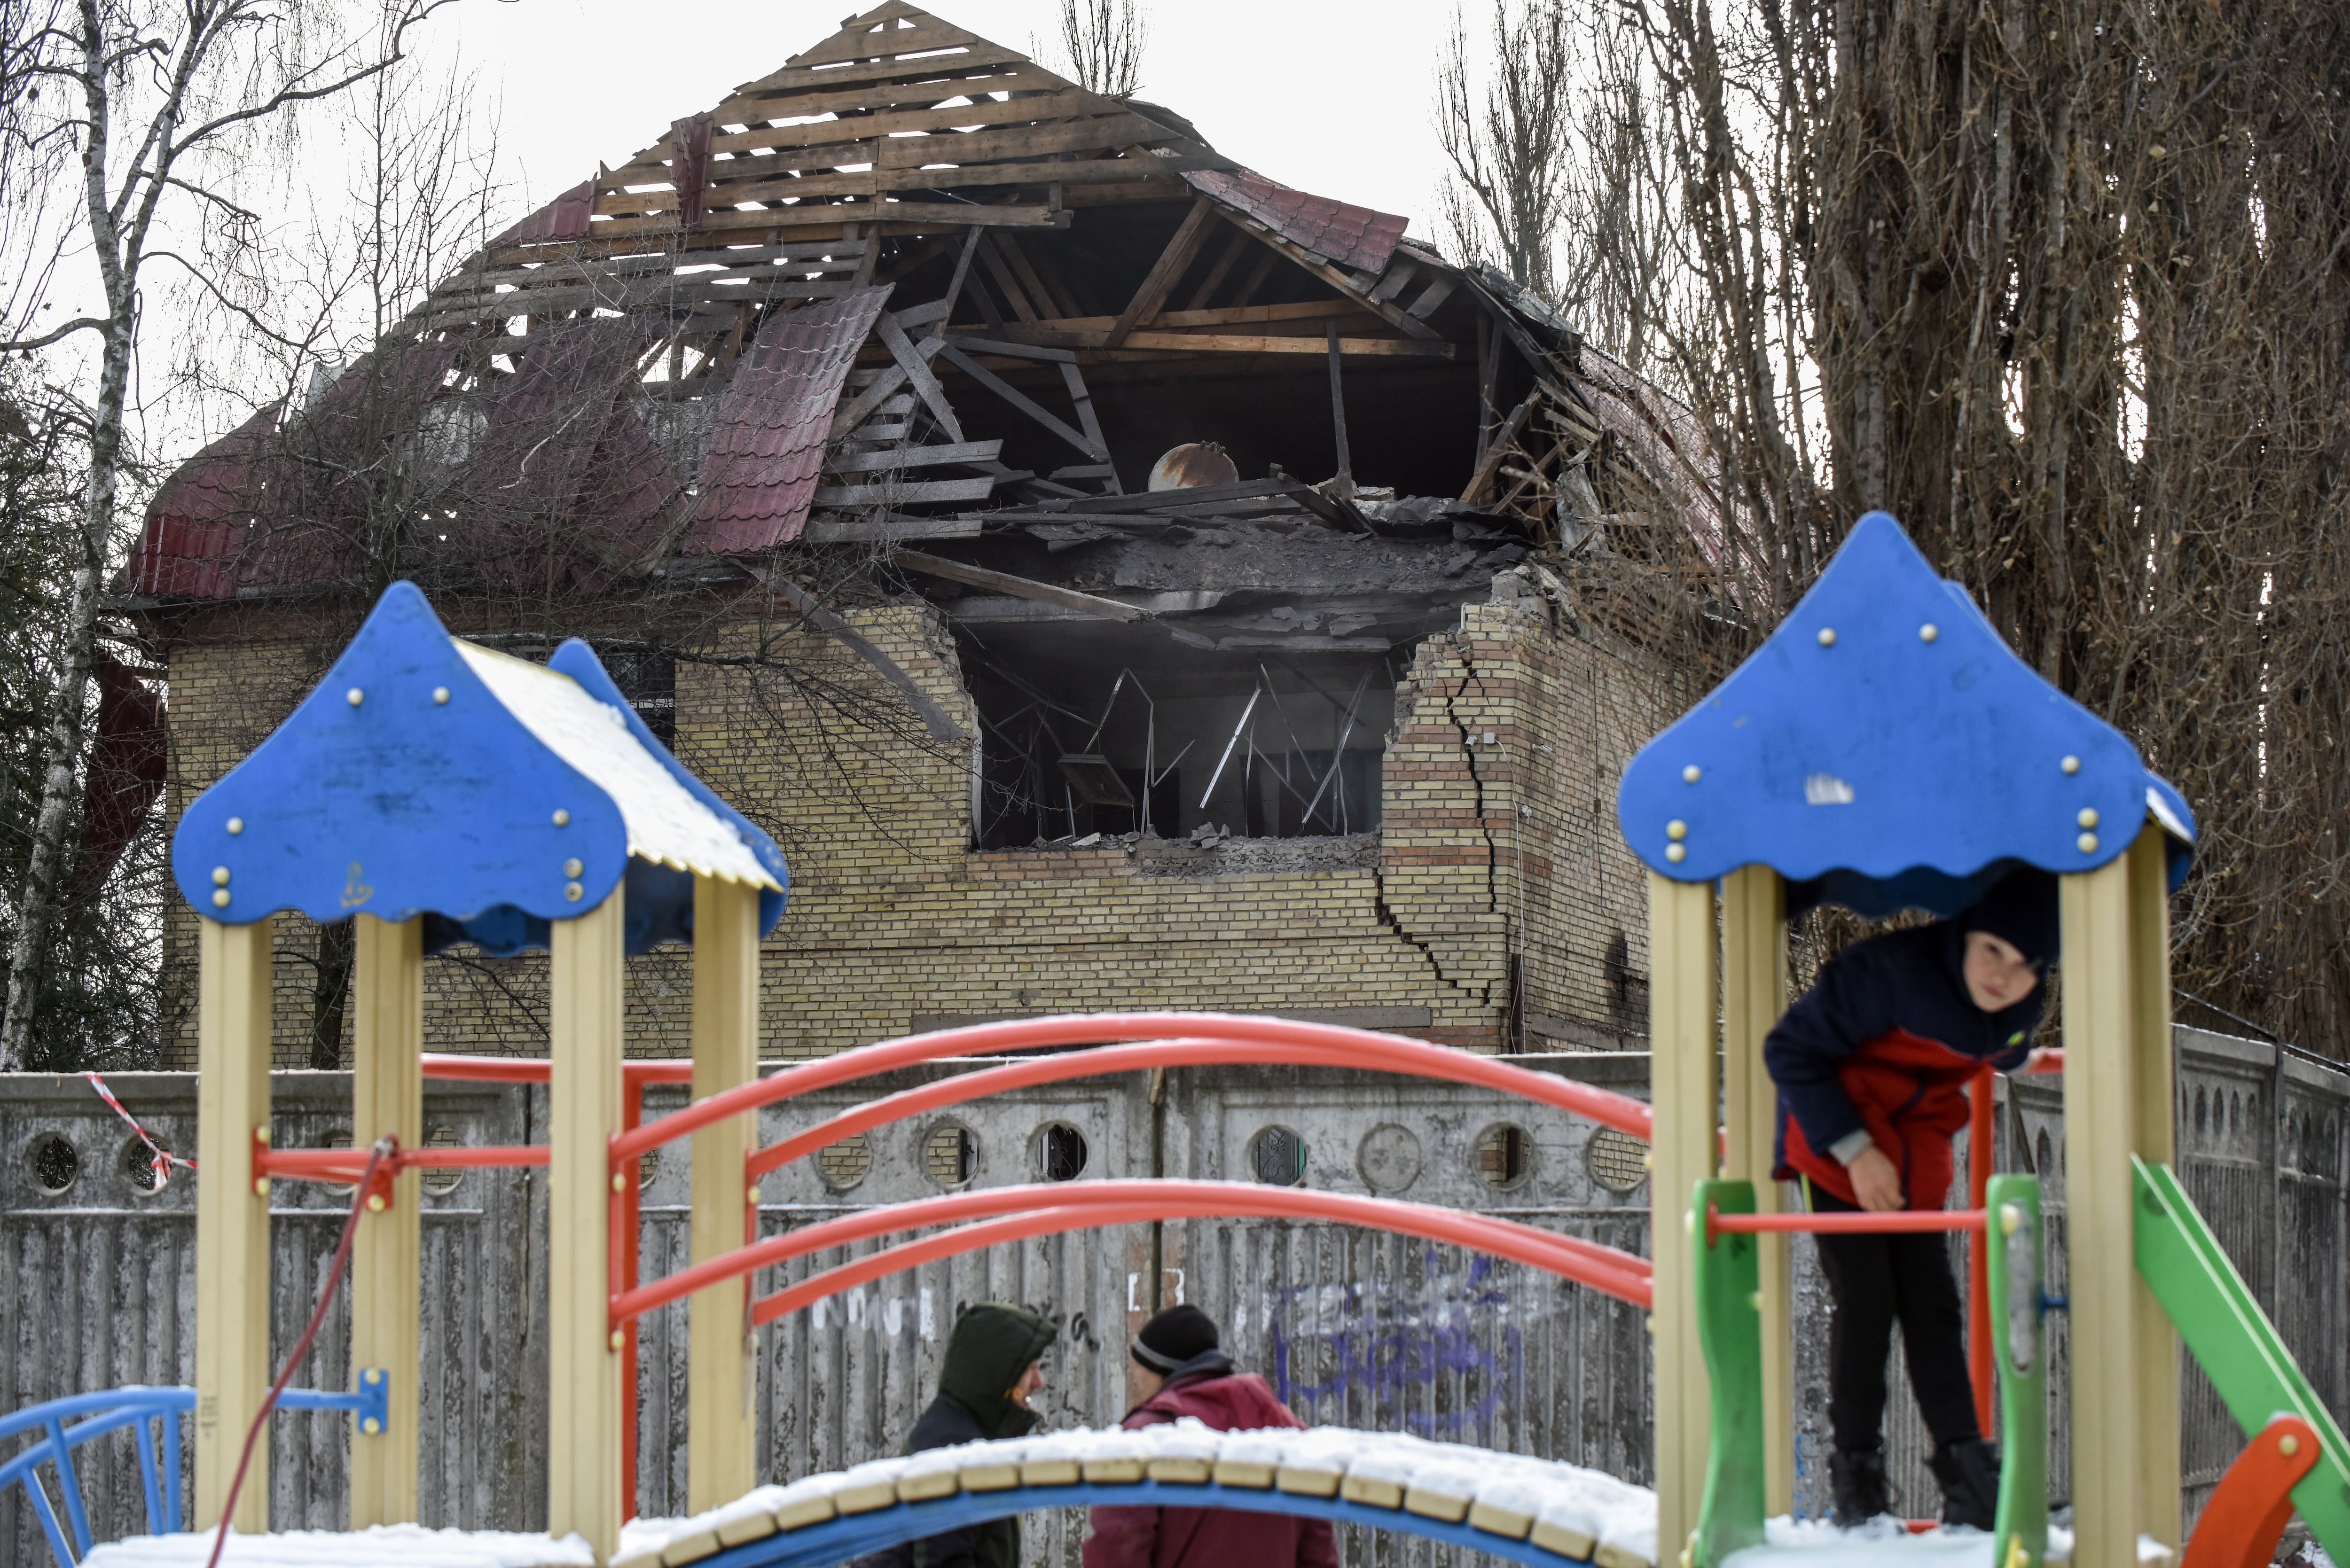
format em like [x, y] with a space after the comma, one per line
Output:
[427, 775]
[1885, 748]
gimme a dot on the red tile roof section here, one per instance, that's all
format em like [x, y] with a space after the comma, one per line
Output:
[1351, 236]
[201, 523]
[564, 218]
[542, 429]
[566, 479]
[759, 477]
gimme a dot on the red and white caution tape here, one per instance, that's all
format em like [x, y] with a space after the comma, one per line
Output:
[164, 1158]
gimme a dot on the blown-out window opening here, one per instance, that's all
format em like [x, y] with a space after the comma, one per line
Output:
[1173, 742]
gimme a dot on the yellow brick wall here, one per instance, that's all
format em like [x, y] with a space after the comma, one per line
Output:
[1489, 854]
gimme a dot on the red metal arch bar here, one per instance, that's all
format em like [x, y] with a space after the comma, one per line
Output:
[1102, 1059]
[1587, 1261]
[1274, 1036]
[1624, 1287]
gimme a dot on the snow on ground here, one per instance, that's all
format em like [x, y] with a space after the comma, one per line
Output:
[1577, 1512]
[1815, 1544]
[381, 1546]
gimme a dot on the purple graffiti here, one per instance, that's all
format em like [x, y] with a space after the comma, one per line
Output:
[1405, 1355]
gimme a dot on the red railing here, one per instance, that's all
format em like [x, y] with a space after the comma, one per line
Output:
[1865, 1222]
[1095, 1063]
[1097, 1203]
[1277, 1039]
[1115, 1043]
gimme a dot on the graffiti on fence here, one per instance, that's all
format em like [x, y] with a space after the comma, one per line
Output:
[1439, 1363]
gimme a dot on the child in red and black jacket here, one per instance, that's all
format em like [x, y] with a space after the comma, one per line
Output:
[1872, 1067]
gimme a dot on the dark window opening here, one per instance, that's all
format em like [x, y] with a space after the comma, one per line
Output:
[1060, 1152]
[1106, 729]
[951, 1155]
[1504, 1156]
[1277, 1156]
[649, 681]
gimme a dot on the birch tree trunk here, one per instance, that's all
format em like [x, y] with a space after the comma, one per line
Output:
[181, 85]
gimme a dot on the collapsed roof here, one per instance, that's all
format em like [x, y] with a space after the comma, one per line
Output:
[911, 289]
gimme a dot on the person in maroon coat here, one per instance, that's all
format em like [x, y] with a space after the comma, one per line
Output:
[1872, 1066]
[1179, 1349]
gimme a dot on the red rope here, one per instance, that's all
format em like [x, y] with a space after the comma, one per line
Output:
[377, 1155]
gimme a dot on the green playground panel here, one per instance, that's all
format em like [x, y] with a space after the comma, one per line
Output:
[2019, 1347]
[2234, 1343]
[1729, 1284]
[1727, 1278]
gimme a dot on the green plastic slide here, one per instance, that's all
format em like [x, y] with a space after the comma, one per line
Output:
[2234, 1343]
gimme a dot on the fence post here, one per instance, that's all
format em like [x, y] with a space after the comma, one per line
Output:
[388, 1265]
[583, 1396]
[232, 1371]
[720, 1451]
[1684, 1151]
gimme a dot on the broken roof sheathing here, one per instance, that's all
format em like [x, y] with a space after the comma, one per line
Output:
[914, 286]
[772, 423]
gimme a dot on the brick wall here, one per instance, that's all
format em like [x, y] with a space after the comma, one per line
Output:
[1497, 858]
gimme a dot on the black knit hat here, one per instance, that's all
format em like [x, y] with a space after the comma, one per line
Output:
[2021, 910]
[1172, 1337]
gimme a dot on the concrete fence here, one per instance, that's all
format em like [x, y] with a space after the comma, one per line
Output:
[1363, 1329]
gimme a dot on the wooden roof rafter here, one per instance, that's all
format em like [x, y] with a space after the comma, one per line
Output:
[840, 130]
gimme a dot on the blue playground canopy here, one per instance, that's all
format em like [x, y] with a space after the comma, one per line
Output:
[427, 775]
[1884, 750]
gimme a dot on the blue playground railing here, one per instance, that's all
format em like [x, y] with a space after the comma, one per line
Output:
[140, 1407]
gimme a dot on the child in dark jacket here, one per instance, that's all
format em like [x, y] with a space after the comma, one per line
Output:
[1872, 1067]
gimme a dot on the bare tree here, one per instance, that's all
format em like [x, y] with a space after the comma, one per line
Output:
[1620, 280]
[159, 102]
[2064, 287]
[1103, 41]
[1506, 140]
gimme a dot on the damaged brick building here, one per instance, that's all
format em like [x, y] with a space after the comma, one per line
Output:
[1118, 578]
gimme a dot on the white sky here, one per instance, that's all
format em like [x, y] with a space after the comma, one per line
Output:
[1332, 98]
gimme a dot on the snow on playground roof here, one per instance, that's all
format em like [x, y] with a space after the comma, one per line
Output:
[428, 775]
[1577, 1514]
[1884, 745]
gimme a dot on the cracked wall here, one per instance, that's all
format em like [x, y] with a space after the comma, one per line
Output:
[1495, 907]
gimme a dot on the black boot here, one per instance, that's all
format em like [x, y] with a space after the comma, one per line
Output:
[1856, 1478]
[1968, 1473]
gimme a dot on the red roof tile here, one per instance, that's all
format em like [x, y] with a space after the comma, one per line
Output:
[1351, 236]
[759, 477]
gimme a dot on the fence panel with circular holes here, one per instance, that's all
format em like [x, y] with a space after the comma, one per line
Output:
[1356, 1328]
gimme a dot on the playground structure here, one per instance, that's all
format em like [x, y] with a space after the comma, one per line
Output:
[438, 793]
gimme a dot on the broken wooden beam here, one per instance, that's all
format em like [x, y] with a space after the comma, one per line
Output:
[1339, 422]
[1022, 401]
[1165, 272]
[857, 411]
[935, 719]
[904, 457]
[1499, 447]
[1018, 588]
[1228, 343]
[918, 372]
[905, 493]
[889, 529]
